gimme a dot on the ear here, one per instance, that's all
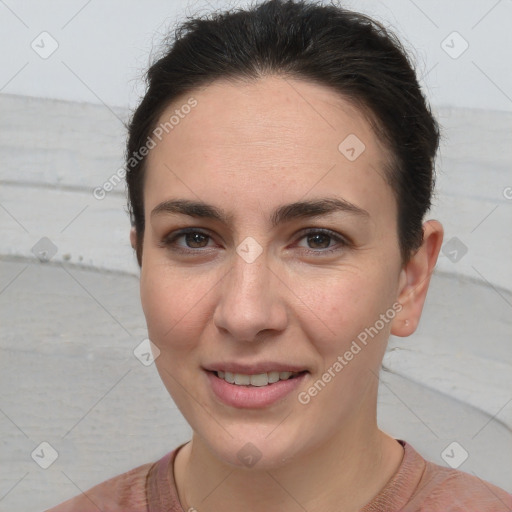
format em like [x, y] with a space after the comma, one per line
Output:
[135, 245]
[133, 237]
[415, 279]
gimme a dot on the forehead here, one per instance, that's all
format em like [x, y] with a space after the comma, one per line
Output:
[270, 138]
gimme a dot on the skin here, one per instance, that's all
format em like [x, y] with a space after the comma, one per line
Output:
[248, 149]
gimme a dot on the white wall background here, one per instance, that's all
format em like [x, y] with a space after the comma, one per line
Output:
[103, 46]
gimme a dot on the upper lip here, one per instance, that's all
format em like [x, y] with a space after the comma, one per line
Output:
[254, 368]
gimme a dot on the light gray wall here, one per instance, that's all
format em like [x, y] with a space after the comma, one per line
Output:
[103, 46]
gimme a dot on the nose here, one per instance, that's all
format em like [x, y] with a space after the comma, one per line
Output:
[251, 303]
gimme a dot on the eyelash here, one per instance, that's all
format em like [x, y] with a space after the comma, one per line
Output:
[169, 241]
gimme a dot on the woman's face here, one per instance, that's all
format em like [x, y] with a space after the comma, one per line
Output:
[291, 260]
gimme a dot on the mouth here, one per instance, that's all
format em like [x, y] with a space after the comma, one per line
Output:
[257, 379]
[253, 390]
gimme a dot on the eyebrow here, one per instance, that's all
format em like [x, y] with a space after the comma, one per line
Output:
[285, 213]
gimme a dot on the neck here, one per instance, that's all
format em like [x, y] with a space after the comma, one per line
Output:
[337, 475]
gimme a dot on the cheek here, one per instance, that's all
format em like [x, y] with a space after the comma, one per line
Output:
[352, 344]
[174, 307]
[344, 309]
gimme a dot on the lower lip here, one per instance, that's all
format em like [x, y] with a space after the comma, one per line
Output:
[252, 397]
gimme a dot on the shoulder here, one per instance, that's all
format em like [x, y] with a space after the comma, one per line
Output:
[125, 492]
[445, 489]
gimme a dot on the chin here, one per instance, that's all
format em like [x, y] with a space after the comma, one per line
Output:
[253, 449]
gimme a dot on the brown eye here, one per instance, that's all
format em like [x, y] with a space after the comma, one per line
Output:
[196, 240]
[319, 241]
[191, 240]
[322, 242]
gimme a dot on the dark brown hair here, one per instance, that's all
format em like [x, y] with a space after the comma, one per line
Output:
[325, 44]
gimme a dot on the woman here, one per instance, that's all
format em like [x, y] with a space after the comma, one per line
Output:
[279, 170]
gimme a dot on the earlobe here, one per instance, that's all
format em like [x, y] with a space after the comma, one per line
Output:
[133, 237]
[136, 245]
[415, 280]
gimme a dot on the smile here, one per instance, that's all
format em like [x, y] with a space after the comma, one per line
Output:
[255, 390]
[259, 379]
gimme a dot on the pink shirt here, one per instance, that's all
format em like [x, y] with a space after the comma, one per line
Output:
[417, 486]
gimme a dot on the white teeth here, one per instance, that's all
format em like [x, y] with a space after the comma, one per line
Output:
[242, 380]
[273, 377]
[259, 380]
